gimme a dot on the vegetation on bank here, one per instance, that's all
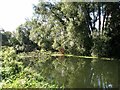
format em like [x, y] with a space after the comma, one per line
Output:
[19, 72]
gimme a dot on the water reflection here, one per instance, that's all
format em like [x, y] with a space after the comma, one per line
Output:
[79, 73]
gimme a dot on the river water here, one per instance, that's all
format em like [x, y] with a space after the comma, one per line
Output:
[71, 72]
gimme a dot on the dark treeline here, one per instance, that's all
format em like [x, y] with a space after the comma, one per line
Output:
[80, 28]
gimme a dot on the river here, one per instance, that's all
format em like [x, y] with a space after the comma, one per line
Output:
[72, 72]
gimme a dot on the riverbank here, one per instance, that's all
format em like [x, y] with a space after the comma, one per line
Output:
[22, 70]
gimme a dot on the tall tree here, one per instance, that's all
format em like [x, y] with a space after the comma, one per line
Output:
[68, 23]
[114, 31]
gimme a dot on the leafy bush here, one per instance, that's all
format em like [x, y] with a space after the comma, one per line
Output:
[15, 74]
[9, 65]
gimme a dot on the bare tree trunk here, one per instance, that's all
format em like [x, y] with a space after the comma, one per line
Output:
[94, 16]
[104, 17]
[99, 13]
[88, 18]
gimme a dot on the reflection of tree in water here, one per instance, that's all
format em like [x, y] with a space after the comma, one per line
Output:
[105, 74]
[81, 76]
[79, 73]
[68, 72]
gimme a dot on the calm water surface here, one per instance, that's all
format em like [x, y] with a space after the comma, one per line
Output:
[73, 72]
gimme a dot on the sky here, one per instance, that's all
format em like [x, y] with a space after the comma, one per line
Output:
[14, 12]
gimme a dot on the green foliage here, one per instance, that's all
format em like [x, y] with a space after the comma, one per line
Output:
[4, 38]
[79, 28]
[114, 31]
[22, 35]
[10, 65]
[28, 79]
[100, 47]
[66, 26]
[15, 74]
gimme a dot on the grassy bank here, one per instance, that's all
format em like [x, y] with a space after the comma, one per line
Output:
[89, 57]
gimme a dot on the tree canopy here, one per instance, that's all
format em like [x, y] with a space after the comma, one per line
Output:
[80, 28]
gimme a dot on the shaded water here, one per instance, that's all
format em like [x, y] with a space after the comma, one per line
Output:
[73, 72]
